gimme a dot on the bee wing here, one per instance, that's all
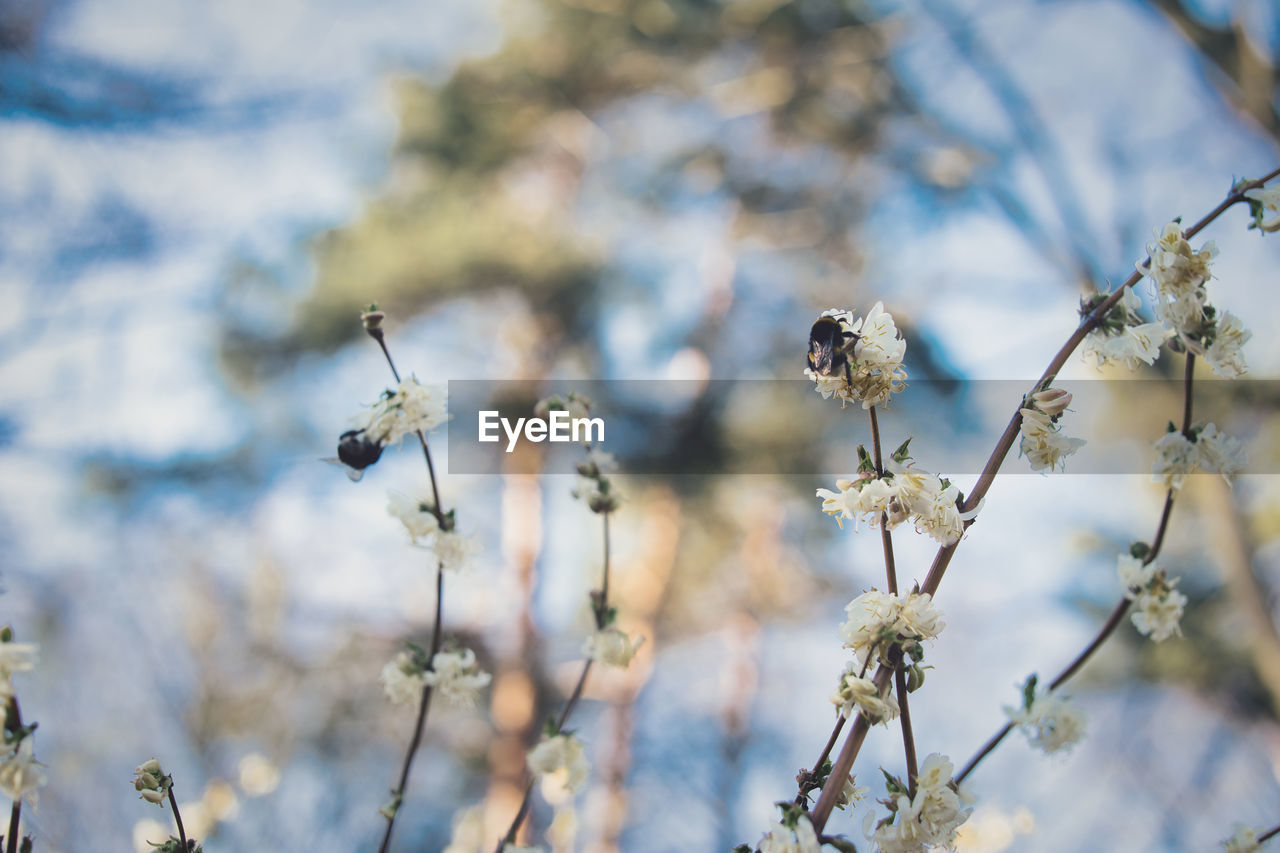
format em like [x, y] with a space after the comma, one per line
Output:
[353, 474]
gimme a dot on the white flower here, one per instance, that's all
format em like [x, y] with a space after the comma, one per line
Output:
[1052, 723]
[856, 694]
[1157, 614]
[561, 763]
[563, 830]
[20, 773]
[456, 677]
[937, 512]
[851, 793]
[875, 617]
[453, 550]
[1219, 453]
[403, 679]
[879, 341]
[1269, 198]
[1137, 344]
[1175, 459]
[1245, 840]
[928, 820]
[1225, 355]
[411, 408]
[1179, 275]
[1135, 575]
[611, 647]
[781, 839]
[1043, 443]
[415, 514]
[15, 657]
[468, 831]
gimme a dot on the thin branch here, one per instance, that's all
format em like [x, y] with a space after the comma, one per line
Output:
[908, 736]
[600, 608]
[1269, 834]
[13, 722]
[943, 558]
[177, 817]
[424, 703]
[1117, 615]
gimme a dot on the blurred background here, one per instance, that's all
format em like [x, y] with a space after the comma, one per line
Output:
[199, 199]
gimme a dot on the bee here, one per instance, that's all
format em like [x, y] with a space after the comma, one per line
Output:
[356, 451]
[830, 343]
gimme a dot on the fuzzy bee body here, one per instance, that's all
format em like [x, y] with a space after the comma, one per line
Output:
[829, 345]
[356, 452]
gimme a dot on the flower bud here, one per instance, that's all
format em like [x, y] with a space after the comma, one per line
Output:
[372, 319]
[1052, 401]
[156, 797]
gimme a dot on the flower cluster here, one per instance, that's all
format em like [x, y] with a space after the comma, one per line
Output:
[425, 528]
[560, 761]
[1122, 337]
[793, 834]
[857, 693]
[1262, 199]
[1157, 605]
[928, 819]
[1180, 275]
[861, 360]
[1245, 840]
[453, 674]
[411, 408]
[902, 493]
[612, 647]
[1208, 449]
[151, 782]
[1043, 443]
[1050, 722]
[594, 484]
[877, 620]
[576, 405]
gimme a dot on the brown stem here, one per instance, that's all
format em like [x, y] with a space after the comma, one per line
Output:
[424, 706]
[1117, 615]
[1269, 834]
[13, 722]
[177, 817]
[601, 614]
[812, 775]
[908, 737]
[943, 558]
[844, 763]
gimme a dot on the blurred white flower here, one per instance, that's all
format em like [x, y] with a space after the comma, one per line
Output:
[20, 773]
[1134, 574]
[411, 408]
[1175, 459]
[1043, 443]
[468, 831]
[611, 647]
[1226, 355]
[561, 763]
[403, 679]
[1157, 614]
[783, 839]
[416, 514]
[453, 550]
[1179, 274]
[456, 677]
[1052, 723]
[857, 694]
[1245, 840]
[1219, 453]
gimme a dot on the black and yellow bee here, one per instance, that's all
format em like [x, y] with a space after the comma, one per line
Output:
[830, 343]
[356, 451]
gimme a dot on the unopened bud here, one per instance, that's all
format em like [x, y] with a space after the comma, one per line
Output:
[156, 797]
[1052, 401]
[372, 319]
